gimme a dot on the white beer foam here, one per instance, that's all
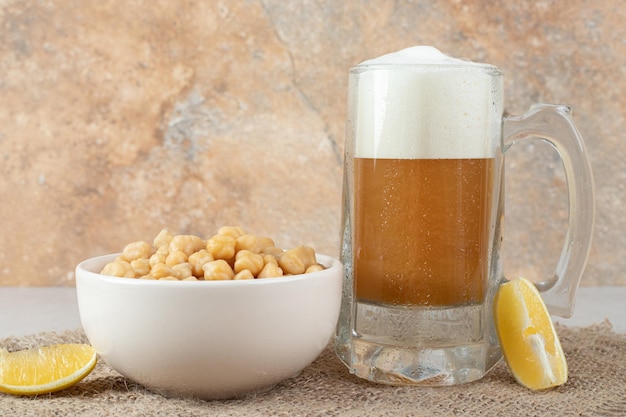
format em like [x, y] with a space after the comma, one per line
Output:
[419, 103]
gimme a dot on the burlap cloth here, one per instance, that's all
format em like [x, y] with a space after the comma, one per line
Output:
[596, 387]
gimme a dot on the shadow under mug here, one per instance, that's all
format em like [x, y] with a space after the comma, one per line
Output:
[423, 210]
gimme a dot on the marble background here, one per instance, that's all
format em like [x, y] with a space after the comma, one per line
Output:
[119, 118]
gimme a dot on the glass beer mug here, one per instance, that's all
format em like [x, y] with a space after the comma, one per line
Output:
[423, 212]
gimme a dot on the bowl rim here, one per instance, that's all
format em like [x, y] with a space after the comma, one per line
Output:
[82, 271]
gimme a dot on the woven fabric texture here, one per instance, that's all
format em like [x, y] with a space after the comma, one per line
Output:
[596, 387]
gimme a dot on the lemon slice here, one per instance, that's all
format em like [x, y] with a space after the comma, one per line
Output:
[45, 369]
[528, 340]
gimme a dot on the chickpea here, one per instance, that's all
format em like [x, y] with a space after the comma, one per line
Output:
[270, 270]
[118, 269]
[297, 260]
[197, 261]
[221, 247]
[161, 270]
[159, 256]
[265, 242]
[251, 261]
[162, 239]
[191, 278]
[314, 268]
[243, 274]
[231, 231]
[168, 278]
[175, 257]
[147, 277]
[186, 243]
[307, 254]
[182, 270]
[247, 242]
[218, 270]
[291, 263]
[272, 250]
[269, 259]
[136, 250]
[253, 243]
[141, 266]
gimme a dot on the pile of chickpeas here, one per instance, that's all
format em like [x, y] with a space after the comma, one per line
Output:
[231, 254]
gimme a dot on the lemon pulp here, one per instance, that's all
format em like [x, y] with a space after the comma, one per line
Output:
[528, 339]
[45, 369]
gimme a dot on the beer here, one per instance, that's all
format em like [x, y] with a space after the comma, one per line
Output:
[424, 148]
[422, 230]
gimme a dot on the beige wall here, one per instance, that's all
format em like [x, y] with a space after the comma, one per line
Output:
[119, 118]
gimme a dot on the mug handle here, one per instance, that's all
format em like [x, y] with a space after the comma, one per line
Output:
[554, 125]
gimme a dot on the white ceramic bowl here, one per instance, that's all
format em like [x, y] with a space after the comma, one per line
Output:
[209, 339]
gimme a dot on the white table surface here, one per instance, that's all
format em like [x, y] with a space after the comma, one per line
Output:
[28, 310]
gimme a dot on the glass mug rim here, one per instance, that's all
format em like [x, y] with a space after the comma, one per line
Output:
[425, 67]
